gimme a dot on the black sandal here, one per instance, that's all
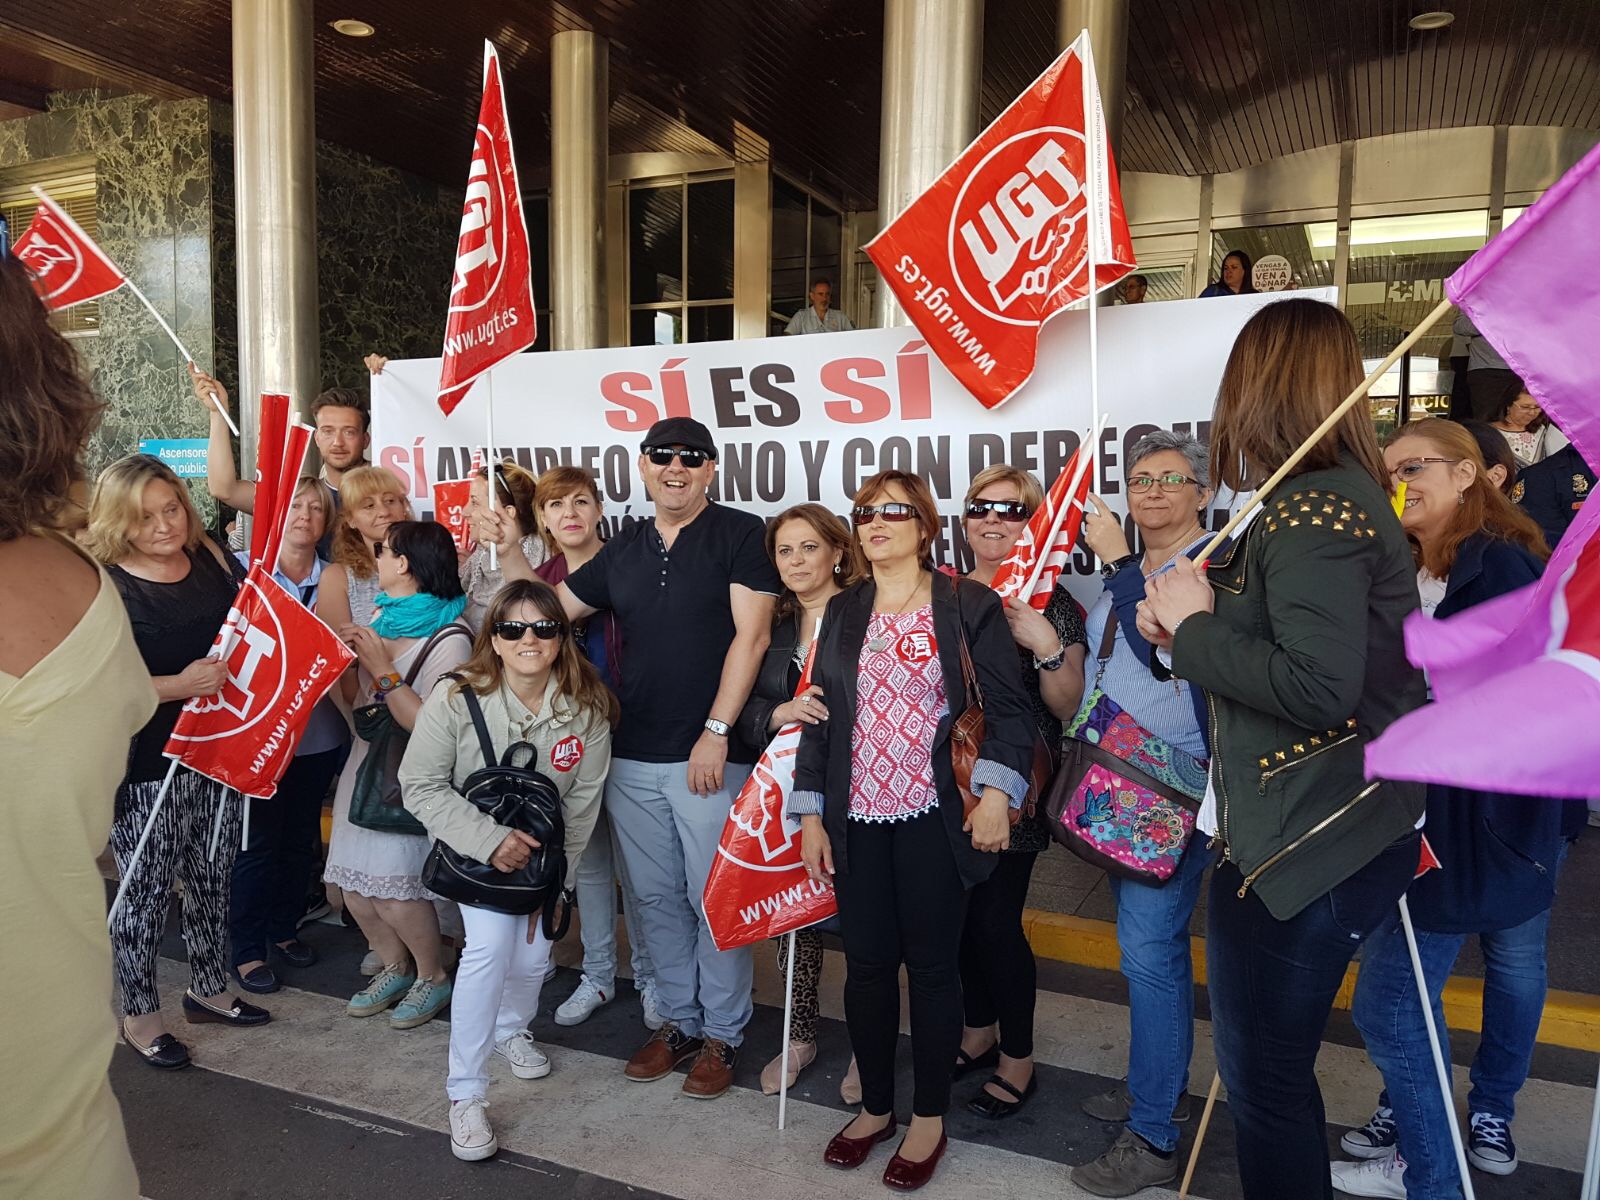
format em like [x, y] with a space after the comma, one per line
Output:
[966, 1064]
[993, 1108]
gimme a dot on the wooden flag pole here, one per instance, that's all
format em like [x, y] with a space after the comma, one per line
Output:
[1321, 431]
[1200, 1136]
[183, 351]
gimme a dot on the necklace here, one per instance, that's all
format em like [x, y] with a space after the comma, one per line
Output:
[881, 642]
[1177, 550]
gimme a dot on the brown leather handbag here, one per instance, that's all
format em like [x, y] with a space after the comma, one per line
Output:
[966, 737]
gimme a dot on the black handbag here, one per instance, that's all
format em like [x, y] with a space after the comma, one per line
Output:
[375, 801]
[519, 797]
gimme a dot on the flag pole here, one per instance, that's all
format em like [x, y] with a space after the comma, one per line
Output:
[138, 849]
[1200, 1135]
[182, 349]
[216, 826]
[494, 492]
[1061, 517]
[788, 1017]
[1321, 431]
[1591, 1162]
[1092, 130]
[1445, 1086]
[244, 830]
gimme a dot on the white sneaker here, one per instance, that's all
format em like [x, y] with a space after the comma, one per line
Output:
[1375, 1177]
[653, 1020]
[523, 1053]
[372, 964]
[471, 1135]
[581, 1005]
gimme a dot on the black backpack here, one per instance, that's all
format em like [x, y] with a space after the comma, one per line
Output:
[518, 797]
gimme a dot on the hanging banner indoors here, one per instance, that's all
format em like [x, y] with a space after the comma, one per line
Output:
[811, 418]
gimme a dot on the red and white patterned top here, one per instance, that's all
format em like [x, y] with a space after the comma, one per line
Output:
[900, 702]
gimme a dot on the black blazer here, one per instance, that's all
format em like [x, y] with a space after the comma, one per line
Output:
[775, 683]
[823, 764]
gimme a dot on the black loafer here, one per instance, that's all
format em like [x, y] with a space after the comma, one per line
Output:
[166, 1053]
[296, 953]
[966, 1064]
[197, 1012]
[261, 980]
[993, 1108]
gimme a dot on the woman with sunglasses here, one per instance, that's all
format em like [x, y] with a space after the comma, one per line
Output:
[535, 687]
[998, 976]
[881, 816]
[1501, 853]
[414, 638]
[1295, 634]
[816, 558]
[1167, 488]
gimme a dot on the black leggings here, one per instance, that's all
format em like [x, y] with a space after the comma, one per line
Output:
[998, 976]
[902, 901]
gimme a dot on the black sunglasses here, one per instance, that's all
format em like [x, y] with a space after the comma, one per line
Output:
[1012, 512]
[544, 629]
[862, 514]
[377, 550]
[662, 456]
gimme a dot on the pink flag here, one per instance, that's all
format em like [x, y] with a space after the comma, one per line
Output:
[1534, 292]
[1041, 553]
[1483, 731]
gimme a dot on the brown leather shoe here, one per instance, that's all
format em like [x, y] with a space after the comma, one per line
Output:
[712, 1073]
[660, 1056]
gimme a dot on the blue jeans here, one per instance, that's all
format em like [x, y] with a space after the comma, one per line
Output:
[1389, 1016]
[1272, 983]
[667, 837]
[1153, 935]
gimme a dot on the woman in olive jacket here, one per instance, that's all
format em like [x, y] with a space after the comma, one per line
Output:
[1295, 634]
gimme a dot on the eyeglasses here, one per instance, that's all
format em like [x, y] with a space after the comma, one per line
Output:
[377, 549]
[511, 631]
[1170, 482]
[1413, 467]
[862, 514]
[1012, 512]
[662, 456]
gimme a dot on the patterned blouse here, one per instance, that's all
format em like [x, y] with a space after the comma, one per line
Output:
[901, 702]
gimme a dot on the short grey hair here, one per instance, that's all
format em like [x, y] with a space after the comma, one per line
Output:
[1194, 452]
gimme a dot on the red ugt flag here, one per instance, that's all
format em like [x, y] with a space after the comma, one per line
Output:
[1051, 532]
[281, 661]
[491, 290]
[67, 267]
[999, 244]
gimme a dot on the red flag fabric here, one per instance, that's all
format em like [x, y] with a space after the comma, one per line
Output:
[270, 443]
[491, 291]
[450, 510]
[999, 243]
[757, 887]
[1050, 534]
[290, 463]
[67, 267]
[281, 661]
[1427, 860]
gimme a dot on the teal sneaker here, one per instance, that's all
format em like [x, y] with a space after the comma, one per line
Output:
[421, 1005]
[387, 986]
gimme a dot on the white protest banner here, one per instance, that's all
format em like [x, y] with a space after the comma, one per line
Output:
[810, 418]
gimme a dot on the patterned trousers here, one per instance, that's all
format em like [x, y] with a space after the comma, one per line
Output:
[179, 847]
[807, 980]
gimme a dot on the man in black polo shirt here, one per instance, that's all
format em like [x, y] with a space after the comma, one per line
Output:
[692, 591]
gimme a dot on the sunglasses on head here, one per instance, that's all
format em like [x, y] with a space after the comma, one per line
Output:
[511, 631]
[1009, 511]
[662, 456]
[862, 514]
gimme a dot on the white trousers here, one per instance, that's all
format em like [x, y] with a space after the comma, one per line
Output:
[496, 994]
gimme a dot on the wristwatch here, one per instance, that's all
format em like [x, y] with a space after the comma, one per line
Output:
[1053, 663]
[720, 728]
[1111, 568]
[384, 684]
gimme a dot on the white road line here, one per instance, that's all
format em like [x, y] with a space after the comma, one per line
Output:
[333, 1116]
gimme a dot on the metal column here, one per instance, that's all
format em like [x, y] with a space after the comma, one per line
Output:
[1107, 23]
[932, 65]
[274, 164]
[579, 104]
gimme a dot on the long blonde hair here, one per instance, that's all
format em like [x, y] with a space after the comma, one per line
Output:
[118, 506]
[356, 486]
[576, 679]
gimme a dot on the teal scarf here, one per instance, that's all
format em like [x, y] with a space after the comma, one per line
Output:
[415, 616]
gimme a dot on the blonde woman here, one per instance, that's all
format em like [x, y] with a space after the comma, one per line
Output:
[177, 587]
[510, 526]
